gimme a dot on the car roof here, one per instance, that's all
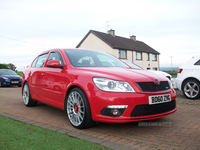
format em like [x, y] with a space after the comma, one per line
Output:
[192, 61]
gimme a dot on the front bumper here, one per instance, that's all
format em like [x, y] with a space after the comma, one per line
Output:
[9, 83]
[138, 107]
[179, 83]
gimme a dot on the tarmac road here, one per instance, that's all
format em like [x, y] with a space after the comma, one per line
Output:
[180, 130]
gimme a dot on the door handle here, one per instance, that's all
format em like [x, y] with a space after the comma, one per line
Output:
[43, 74]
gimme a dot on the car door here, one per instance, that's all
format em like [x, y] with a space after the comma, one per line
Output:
[54, 82]
[36, 75]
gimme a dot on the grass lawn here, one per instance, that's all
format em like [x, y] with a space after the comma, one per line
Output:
[172, 73]
[16, 135]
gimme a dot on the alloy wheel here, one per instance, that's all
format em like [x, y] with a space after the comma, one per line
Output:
[75, 108]
[191, 89]
[26, 94]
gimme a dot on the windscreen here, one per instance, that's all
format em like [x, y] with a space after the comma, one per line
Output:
[87, 58]
[132, 65]
[7, 72]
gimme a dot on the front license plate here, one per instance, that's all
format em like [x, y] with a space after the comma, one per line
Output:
[159, 99]
[15, 81]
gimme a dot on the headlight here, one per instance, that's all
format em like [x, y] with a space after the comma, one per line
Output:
[5, 78]
[112, 85]
[170, 83]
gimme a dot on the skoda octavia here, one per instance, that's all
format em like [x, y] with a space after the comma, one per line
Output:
[93, 86]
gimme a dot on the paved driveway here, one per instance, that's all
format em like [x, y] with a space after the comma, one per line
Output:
[180, 130]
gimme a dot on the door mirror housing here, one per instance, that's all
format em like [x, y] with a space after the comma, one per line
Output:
[54, 64]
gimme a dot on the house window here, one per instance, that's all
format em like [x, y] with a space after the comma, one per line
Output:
[154, 68]
[122, 54]
[138, 55]
[154, 57]
[147, 56]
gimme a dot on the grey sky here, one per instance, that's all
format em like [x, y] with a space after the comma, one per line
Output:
[172, 27]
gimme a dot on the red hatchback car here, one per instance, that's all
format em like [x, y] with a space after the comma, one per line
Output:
[93, 86]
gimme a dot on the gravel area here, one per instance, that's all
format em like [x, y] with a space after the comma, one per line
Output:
[181, 99]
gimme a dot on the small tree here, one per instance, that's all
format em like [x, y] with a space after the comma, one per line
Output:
[3, 66]
[11, 66]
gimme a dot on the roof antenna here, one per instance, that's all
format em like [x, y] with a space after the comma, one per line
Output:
[108, 25]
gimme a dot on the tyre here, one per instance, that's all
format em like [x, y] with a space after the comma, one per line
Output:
[28, 101]
[78, 109]
[191, 89]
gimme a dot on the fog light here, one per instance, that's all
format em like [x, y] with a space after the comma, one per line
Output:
[114, 110]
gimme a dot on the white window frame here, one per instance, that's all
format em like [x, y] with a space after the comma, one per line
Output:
[154, 57]
[138, 55]
[122, 54]
[147, 56]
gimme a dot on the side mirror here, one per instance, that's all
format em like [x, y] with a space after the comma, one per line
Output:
[54, 64]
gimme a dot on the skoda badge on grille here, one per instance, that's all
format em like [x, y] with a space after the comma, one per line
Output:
[157, 81]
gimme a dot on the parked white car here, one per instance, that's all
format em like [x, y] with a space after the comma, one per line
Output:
[188, 78]
[132, 65]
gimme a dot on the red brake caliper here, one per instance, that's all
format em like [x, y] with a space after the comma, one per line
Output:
[76, 108]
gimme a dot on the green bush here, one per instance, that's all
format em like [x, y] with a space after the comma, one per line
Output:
[172, 73]
[3, 66]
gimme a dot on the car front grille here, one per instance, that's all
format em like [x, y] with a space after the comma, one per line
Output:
[152, 87]
[145, 110]
[14, 79]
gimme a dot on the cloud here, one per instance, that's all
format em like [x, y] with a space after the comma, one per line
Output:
[170, 27]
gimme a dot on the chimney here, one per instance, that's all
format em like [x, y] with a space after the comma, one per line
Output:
[133, 37]
[112, 32]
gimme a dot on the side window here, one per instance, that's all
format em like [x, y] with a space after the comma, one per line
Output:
[56, 56]
[34, 62]
[41, 60]
[197, 63]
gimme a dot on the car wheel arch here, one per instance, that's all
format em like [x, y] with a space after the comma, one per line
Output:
[185, 80]
[68, 91]
[23, 86]
[87, 121]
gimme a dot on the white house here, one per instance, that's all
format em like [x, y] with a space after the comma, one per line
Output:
[124, 48]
